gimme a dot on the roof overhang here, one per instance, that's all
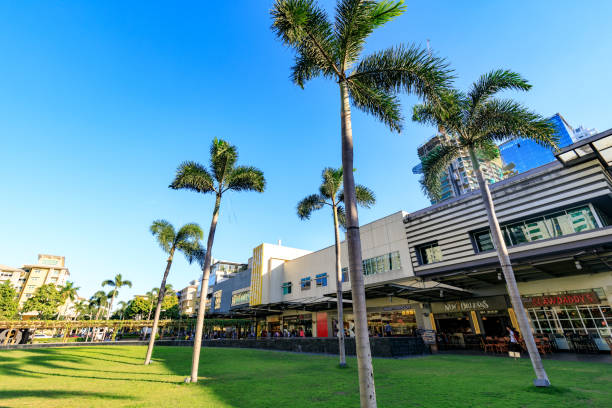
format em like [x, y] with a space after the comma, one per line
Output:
[597, 147]
[409, 292]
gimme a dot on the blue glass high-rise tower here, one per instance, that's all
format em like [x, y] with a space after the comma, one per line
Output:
[527, 154]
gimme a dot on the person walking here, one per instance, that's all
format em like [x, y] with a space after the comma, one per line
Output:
[514, 348]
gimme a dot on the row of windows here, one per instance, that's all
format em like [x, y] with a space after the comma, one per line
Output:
[371, 266]
[552, 225]
[320, 279]
[241, 297]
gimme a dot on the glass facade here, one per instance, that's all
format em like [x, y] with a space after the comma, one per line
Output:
[588, 319]
[551, 225]
[382, 263]
[286, 288]
[241, 297]
[217, 299]
[305, 283]
[527, 154]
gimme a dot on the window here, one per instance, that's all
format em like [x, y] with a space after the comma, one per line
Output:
[378, 264]
[31, 286]
[429, 253]
[547, 226]
[217, 299]
[286, 288]
[241, 297]
[321, 279]
[305, 283]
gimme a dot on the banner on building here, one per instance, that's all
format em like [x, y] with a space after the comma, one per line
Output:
[568, 299]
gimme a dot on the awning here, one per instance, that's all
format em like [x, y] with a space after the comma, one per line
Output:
[420, 294]
[598, 146]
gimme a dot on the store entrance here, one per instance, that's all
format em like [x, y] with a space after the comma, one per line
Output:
[452, 323]
[494, 323]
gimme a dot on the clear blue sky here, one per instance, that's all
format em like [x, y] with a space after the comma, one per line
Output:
[100, 101]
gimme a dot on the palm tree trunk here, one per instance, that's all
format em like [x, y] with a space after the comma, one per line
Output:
[109, 311]
[197, 340]
[367, 391]
[506, 265]
[341, 349]
[160, 299]
[150, 310]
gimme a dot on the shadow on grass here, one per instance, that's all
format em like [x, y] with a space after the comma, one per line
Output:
[47, 362]
[5, 394]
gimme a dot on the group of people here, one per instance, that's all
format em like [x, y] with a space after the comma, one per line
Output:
[284, 333]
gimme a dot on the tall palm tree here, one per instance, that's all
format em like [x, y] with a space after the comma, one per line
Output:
[186, 240]
[223, 176]
[81, 308]
[331, 194]
[372, 84]
[117, 283]
[474, 123]
[122, 308]
[68, 292]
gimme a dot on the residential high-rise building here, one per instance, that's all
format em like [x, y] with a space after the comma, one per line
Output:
[582, 133]
[15, 276]
[527, 154]
[188, 299]
[49, 269]
[459, 177]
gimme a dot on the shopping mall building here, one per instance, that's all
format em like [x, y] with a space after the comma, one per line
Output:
[437, 269]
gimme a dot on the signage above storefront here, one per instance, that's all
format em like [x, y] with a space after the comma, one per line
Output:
[568, 299]
[467, 305]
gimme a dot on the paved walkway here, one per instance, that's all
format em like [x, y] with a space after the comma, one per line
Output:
[589, 358]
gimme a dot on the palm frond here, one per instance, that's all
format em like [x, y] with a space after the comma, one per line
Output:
[331, 182]
[404, 69]
[164, 233]
[309, 204]
[189, 249]
[302, 25]
[193, 176]
[356, 20]
[364, 196]
[498, 120]
[108, 282]
[492, 82]
[196, 253]
[435, 163]
[448, 112]
[382, 105]
[245, 178]
[188, 233]
[304, 69]
[223, 157]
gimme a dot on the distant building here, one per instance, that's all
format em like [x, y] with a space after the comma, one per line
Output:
[49, 269]
[15, 276]
[219, 271]
[527, 154]
[188, 299]
[459, 177]
[582, 133]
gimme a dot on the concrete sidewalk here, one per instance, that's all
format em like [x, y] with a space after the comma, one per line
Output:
[562, 356]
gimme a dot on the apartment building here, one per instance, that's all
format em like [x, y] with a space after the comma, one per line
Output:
[48, 269]
[187, 298]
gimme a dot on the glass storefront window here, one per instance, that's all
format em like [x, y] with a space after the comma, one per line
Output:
[584, 319]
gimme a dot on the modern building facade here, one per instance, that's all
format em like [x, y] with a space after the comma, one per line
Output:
[459, 178]
[437, 269]
[581, 133]
[527, 154]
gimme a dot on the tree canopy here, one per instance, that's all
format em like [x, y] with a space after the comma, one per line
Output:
[45, 301]
[9, 304]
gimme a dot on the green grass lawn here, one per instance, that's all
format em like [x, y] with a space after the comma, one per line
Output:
[113, 376]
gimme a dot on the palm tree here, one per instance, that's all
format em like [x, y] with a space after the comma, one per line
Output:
[99, 300]
[186, 240]
[122, 308]
[151, 296]
[331, 194]
[68, 292]
[474, 123]
[372, 84]
[223, 176]
[117, 283]
[81, 308]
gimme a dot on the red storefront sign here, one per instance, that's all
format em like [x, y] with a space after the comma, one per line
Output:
[570, 299]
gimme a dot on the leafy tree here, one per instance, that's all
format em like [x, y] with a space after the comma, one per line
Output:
[372, 84]
[117, 283]
[138, 306]
[45, 301]
[9, 304]
[81, 310]
[187, 241]
[332, 195]
[476, 121]
[69, 293]
[170, 307]
[223, 176]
